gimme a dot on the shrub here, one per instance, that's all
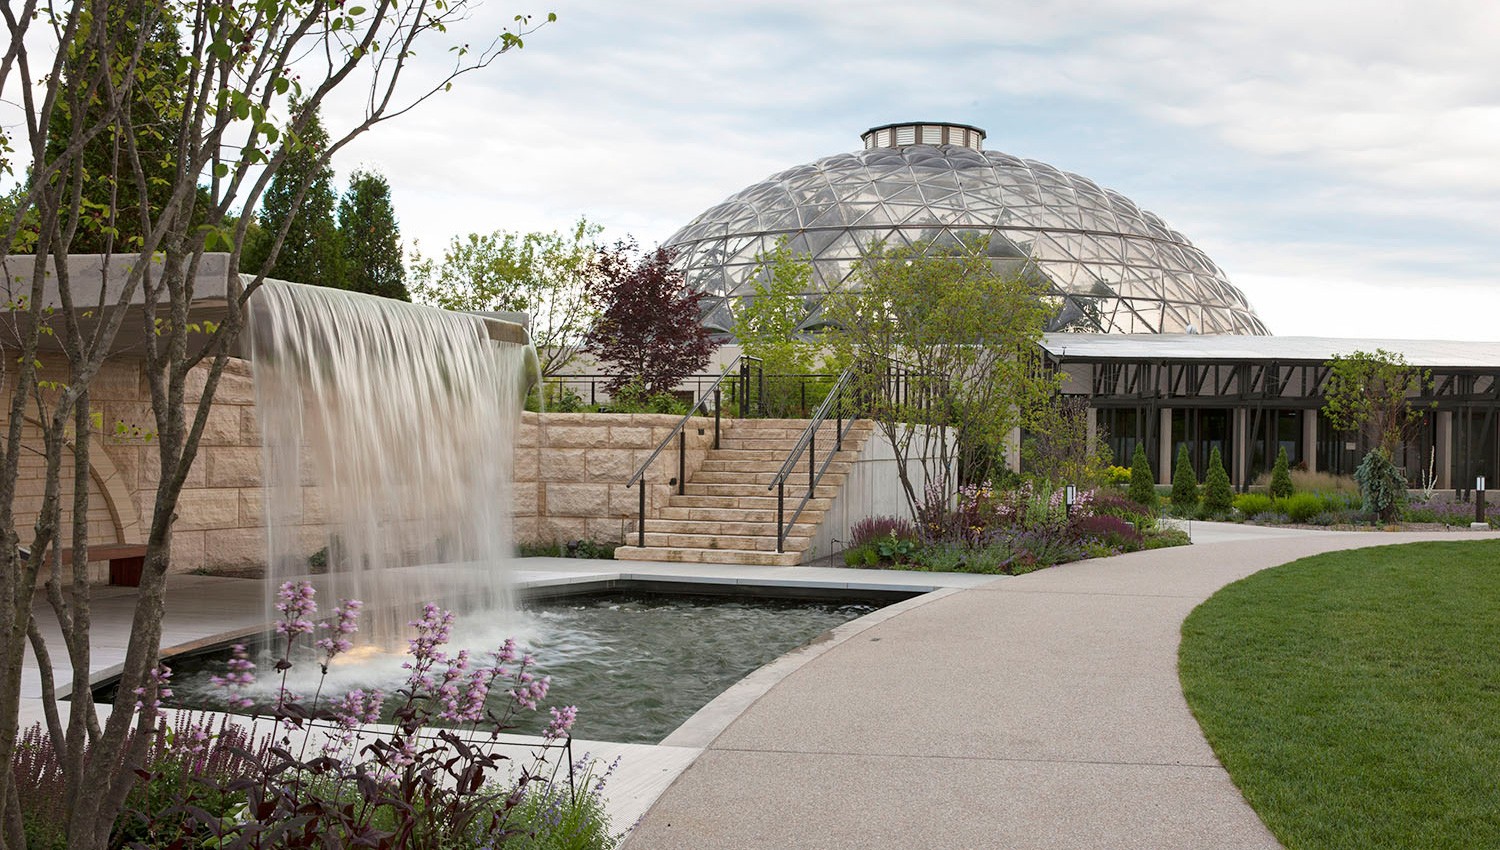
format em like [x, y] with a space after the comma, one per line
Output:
[1032, 550]
[875, 528]
[1117, 476]
[1323, 482]
[590, 549]
[1142, 480]
[1250, 504]
[1111, 531]
[1300, 507]
[414, 779]
[1184, 484]
[893, 549]
[1165, 538]
[864, 555]
[1218, 495]
[1447, 513]
[1271, 518]
[1382, 485]
[1105, 503]
[1281, 477]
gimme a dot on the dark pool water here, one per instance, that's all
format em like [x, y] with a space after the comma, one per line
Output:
[636, 666]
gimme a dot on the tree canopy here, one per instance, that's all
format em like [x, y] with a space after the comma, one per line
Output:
[963, 336]
[768, 326]
[1372, 393]
[299, 206]
[371, 238]
[648, 328]
[548, 276]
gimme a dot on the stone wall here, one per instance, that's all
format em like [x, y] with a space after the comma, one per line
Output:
[571, 470]
[220, 516]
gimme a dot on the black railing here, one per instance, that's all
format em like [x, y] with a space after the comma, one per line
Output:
[796, 395]
[740, 369]
[839, 403]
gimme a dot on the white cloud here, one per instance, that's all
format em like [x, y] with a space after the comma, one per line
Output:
[644, 115]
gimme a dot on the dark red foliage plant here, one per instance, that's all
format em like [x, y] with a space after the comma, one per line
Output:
[648, 326]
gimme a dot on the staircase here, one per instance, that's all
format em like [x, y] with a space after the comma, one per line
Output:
[726, 514]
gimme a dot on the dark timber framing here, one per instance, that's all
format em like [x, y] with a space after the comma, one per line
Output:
[1458, 437]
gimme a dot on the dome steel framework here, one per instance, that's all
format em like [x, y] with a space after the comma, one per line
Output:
[1111, 266]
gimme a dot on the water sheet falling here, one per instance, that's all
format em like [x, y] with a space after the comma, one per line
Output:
[387, 430]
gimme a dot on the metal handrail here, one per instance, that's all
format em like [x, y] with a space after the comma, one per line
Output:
[808, 443]
[743, 361]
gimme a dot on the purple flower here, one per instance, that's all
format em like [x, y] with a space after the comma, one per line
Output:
[345, 623]
[295, 602]
[241, 676]
[156, 688]
[562, 721]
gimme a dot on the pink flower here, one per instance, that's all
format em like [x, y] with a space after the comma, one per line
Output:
[295, 602]
[562, 721]
[345, 622]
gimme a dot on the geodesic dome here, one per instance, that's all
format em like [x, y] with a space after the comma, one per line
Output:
[1111, 266]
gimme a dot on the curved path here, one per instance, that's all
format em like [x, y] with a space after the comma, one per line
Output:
[1040, 711]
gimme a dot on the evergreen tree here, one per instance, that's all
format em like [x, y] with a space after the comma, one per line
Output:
[372, 238]
[1184, 484]
[1142, 480]
[312, 251]
[1281, 477]
[110, 211]
[1218, 493]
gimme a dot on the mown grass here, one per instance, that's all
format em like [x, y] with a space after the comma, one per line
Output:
[1354, 697]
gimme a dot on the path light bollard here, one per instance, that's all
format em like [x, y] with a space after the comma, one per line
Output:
[1070, 495]
[1479, 518]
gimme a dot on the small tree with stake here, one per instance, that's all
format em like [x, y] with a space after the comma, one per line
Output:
[648, 324]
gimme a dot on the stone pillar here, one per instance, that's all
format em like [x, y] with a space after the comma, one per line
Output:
[1310, 439]
[1164, 469]
[1239, 472]
[1445, 449]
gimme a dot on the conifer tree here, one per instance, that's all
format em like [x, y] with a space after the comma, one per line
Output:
[1142, 479]
[1184, 484]
[371, 238]
[1218, 493]
[312, 251]
[1281, 477]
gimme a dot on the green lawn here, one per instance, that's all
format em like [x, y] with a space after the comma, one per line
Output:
[1355, 697]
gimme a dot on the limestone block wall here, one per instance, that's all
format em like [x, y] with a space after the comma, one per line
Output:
[571, 470]
[220, 516]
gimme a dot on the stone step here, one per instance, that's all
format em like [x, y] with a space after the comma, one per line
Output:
[826, 490]
[759, 516]
[763, 478]
[746, 454]
[739, 528]
[767, 501]
[717, 462]
[754, 543]
[709, 556]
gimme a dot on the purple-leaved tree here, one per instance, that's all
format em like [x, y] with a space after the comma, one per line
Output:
[648, 324]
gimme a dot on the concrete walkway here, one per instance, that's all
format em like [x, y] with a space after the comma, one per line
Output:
[1041, 711]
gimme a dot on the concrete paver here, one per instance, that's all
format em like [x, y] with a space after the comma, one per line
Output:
[1039, 711]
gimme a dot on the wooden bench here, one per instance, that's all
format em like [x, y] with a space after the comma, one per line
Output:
[126, 561]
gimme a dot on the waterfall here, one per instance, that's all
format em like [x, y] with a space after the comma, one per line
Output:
[387, 432]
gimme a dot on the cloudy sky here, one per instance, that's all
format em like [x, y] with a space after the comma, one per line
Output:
[1340, 160]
